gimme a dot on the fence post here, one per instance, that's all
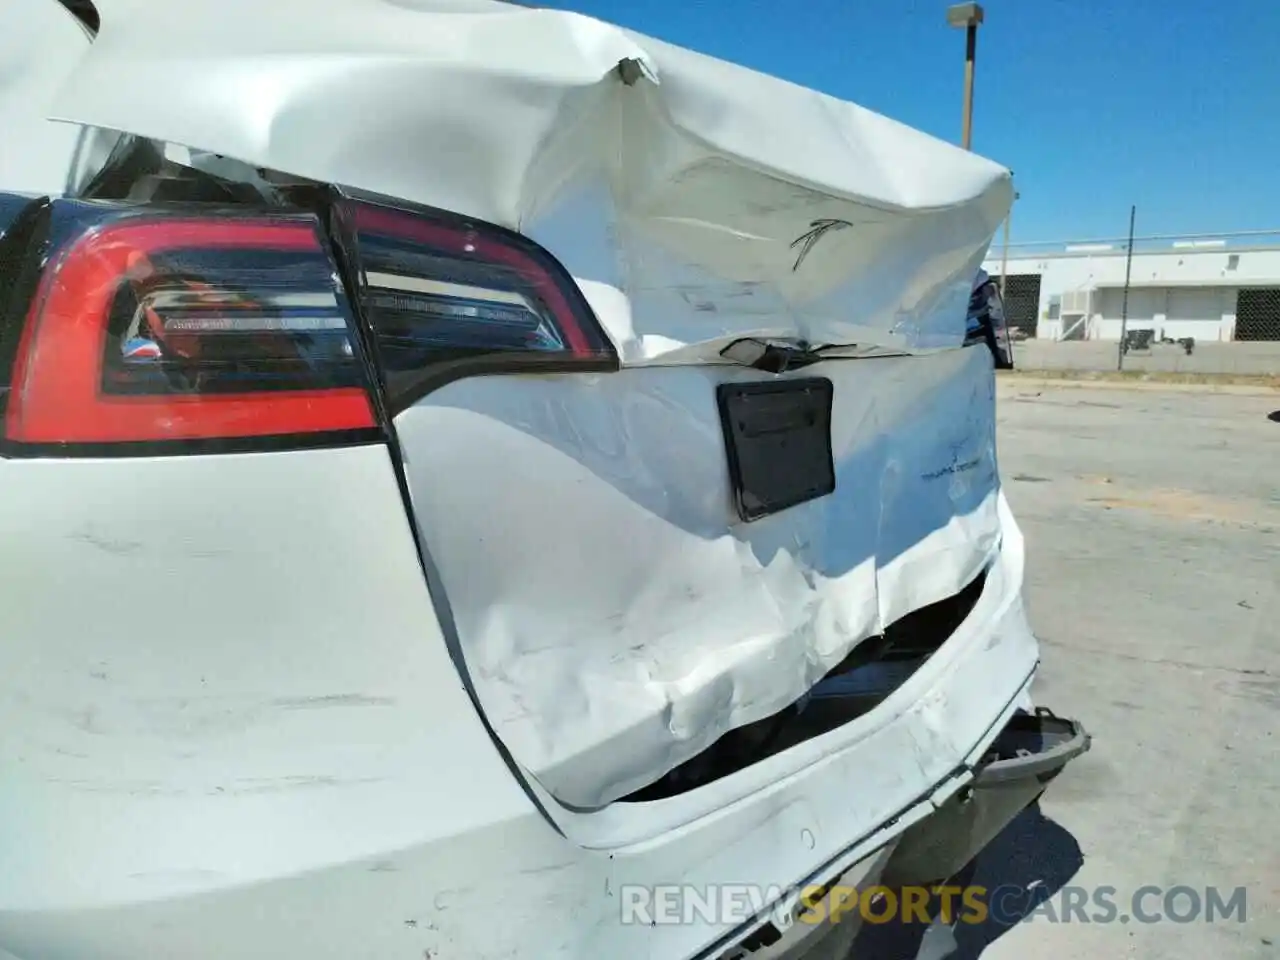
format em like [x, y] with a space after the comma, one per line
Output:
[1124, 302]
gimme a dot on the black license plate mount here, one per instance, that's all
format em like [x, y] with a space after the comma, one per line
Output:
[777, 437]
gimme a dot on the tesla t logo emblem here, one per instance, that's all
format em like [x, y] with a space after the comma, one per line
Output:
[817, 230]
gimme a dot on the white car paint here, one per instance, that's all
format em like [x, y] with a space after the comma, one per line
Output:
[614, 615]
[40, 44]
[236, 695]
[218, 744]
[691, 190]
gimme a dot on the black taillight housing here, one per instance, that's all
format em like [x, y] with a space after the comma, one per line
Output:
[170, 327]
[987, 324]
[445, 296]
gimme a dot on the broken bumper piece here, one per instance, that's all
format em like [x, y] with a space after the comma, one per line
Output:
[1031, 750]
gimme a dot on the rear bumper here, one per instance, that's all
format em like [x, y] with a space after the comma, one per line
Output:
[477, 870]
[1029, 753]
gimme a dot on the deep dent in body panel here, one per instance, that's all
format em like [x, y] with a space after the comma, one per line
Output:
[687, 639]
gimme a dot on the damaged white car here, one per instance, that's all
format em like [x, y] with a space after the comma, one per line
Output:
[464, 464]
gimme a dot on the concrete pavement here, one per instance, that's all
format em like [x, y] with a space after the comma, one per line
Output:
[1153, 523]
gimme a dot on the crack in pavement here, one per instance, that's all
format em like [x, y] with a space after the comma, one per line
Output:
[1161, 661]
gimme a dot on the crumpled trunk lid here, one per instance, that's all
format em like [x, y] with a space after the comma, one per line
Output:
[715, 199]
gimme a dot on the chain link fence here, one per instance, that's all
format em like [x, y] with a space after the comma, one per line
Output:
[1022, 303]
[1196, 330]
[1258, 315]
[1206, 303]
[1245, 359]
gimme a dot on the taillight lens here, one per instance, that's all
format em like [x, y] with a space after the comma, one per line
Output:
[178, 327]
[439, 291]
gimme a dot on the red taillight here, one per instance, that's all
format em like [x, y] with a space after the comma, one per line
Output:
[181, 328]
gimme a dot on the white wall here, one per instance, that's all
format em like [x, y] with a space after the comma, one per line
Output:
[1184, 293]
[1170, 311]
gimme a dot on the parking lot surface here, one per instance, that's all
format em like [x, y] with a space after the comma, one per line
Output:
[1153, 527]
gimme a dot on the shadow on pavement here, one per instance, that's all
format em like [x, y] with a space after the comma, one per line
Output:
[1032, 859]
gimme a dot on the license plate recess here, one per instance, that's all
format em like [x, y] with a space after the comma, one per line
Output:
[777, 437]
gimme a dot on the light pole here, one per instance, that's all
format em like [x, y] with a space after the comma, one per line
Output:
[1124, 303]
[968, 16]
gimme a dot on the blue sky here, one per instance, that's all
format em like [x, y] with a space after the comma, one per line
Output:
[1094, 104]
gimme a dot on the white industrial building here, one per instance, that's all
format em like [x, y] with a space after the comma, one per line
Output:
[1213, 288]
